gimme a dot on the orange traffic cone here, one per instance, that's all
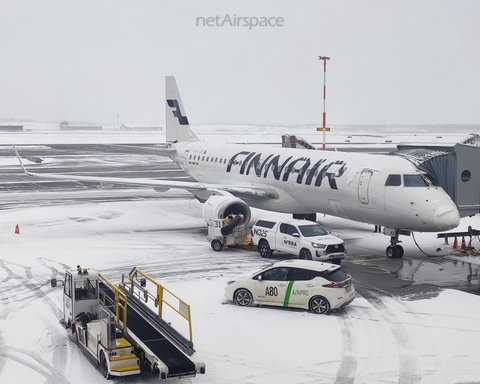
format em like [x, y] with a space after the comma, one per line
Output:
[455, 243]
[17, 230]
[464, 246]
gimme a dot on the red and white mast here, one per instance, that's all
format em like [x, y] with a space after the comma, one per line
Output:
[324, 127]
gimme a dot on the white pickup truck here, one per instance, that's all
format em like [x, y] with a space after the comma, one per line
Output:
[302, 238]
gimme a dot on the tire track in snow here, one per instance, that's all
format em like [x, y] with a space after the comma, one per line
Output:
[50, 373]
[30, 292]
[349, 361]
[409, 364]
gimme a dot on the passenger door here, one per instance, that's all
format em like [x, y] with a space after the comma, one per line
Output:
[363, 184]
[272, 286]
[301, 286]
[286, 242]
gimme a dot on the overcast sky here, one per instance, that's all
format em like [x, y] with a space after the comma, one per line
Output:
[392, 62]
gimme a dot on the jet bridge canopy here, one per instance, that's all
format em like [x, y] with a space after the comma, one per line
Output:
[455, 168]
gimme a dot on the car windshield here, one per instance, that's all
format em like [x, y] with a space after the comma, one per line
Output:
[312, 230]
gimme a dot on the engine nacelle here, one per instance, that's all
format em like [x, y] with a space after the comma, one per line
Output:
[219, 207]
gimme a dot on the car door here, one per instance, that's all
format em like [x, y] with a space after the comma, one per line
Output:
[287, 241]
[271, 286]
[301, 286]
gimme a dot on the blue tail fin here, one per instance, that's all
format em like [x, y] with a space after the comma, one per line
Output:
[177, 128]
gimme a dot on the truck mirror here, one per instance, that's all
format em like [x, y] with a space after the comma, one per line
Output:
[295, 234]
[53, 282]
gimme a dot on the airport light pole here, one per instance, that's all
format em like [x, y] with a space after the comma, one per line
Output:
[324, 127]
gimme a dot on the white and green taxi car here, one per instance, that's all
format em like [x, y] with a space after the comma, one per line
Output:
[319, 287]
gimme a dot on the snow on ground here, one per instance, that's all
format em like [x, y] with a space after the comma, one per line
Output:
[376, 339]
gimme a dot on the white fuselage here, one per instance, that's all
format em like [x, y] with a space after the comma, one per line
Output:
[348, 185]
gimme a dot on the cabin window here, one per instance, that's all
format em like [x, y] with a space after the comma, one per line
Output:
[86, 289]
[67, 285]
[415, 181]
[203, 158]
[393, 181]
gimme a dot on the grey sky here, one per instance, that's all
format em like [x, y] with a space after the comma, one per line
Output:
[392, 62]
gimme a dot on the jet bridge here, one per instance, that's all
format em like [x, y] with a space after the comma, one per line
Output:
[456, 168]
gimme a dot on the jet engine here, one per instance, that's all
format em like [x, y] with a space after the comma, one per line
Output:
[230, 208]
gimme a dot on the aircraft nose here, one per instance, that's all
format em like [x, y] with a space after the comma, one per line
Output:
[446, 217]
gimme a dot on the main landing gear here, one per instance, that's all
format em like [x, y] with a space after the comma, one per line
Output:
[394, 250]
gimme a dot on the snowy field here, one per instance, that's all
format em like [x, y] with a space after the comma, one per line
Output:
[376, 339]
[379, 338]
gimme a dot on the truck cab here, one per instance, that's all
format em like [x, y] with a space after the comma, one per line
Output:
[80, 293]
[302, 238]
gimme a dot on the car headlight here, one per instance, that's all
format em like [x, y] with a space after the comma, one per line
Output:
[317, 245]
[230, 282]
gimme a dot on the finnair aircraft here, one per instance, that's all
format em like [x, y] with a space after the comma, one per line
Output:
[385, 190]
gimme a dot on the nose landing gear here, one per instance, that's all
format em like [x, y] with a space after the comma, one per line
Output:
[394, 250]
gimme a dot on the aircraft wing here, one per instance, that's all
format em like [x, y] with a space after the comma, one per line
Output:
[200, 190]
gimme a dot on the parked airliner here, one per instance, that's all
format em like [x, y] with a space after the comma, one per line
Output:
[385, 190]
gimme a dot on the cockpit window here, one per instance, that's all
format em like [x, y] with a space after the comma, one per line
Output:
[393, 181]
[415, 181]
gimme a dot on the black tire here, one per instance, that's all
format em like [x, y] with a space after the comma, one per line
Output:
[217, 245]
[103, 365]
[144, 363]
[305, 254]
[319, 305]
[392, 252]
[337, 261]
[264, 249]
[400, 251]
[243, 297]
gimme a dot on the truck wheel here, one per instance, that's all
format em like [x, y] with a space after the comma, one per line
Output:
[305, 254]
[104, 366]
[319, 304]
[144, 363]
[217, 245]
[264, 249]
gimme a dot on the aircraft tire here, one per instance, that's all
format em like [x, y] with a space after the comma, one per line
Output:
[400, 251]
[392, 252]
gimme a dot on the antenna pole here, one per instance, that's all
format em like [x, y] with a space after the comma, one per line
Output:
[324, 127]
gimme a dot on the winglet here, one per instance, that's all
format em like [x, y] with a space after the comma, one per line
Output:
[21, 163]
